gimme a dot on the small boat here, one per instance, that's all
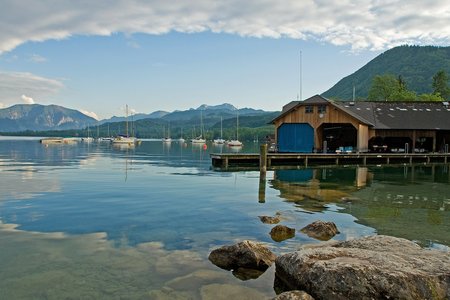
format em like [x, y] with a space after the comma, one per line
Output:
[220, 140]
[200, 139]
[167, 138]
[236, 142]
[126, 139]
[181, 140]
[105, 139]
[88, 139]
[52, 140]
[123, 139]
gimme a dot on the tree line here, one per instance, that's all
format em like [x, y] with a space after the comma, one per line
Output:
[387, 87]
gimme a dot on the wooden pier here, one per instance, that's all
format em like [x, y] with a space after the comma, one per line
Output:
[274, 160]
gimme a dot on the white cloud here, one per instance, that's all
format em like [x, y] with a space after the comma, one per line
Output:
[89, 114]
[2, 105]
[364, 24]
[18, 87]
[37, 58]
[27, 100]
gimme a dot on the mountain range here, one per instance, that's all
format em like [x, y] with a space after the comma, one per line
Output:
[36, 117]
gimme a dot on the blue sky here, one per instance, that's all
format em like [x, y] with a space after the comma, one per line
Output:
[157, 55]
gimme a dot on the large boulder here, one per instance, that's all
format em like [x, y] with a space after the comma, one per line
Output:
[280, 233]
[375, 267]
[246, 254]
[320, 230]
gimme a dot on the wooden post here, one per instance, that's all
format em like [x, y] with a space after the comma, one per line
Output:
[263, 157]
[225, 162]
[262, 187]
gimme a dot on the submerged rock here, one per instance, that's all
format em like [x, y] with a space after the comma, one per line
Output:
[375, 267]
[228, 291]
[280, 233]
[320, 230]
[269, 220]
[245, 254]
[294, 295]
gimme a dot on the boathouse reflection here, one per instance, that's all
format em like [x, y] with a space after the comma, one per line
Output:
[312, 189]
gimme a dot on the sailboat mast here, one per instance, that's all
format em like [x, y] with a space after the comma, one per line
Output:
[237, 125]
[126, 120]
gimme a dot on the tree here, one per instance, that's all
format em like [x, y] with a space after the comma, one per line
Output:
[388, 88]
[430, 97]
[440, 85]
[383, 86]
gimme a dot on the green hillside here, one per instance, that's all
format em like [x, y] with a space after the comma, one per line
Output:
[416, 64]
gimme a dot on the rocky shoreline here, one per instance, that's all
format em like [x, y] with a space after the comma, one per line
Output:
[373, 267]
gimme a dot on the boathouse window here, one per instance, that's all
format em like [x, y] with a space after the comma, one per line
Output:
[322, 109]
[309, 109]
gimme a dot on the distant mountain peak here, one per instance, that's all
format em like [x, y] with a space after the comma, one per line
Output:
[224, 106]
[22, 117]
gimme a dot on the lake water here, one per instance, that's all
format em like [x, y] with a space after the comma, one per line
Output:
[92, 221]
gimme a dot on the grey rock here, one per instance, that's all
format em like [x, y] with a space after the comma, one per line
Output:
[375, 267]
[320, 230]
[269, 220]
[294, 295]
[280, 233]
[246, 254]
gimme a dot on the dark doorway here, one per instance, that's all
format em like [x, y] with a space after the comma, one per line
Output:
[339, 137]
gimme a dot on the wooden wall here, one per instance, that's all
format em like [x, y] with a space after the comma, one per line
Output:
[315, 119]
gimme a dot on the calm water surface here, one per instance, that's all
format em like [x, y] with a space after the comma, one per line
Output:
[92, 221]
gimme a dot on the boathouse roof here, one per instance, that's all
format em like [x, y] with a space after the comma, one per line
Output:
[386, 115]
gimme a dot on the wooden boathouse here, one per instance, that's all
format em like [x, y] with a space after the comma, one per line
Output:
[321, 125]
[321, 131]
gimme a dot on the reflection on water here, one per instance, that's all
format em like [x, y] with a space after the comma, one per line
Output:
[97, 221]
[410, 201]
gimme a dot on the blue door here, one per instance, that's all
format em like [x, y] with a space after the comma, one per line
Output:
[295, 137]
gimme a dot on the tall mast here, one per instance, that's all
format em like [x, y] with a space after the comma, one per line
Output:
[300, 76]
[237, 124]
[126, 120]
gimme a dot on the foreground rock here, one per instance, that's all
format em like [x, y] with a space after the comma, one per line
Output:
[376, 267]
[280, 233]
[320, 230]
[246, 255]
[294, 295]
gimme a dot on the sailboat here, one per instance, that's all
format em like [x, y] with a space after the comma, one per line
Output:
[200, 139]
[220, 140]
[125, 139]
[181, 139]
[236, 142]
[167, 139]
[87, 139]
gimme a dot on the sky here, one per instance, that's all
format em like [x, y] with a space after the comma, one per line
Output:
[99, 56]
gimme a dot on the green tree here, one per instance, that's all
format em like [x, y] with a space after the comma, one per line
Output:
[440, 85]
[388, 88]
[383, 86]
[430, 97]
